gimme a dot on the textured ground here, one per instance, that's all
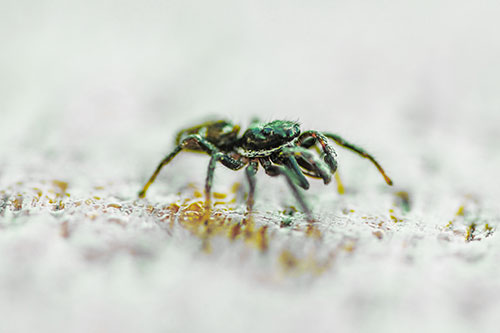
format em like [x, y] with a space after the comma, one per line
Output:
[91, 97]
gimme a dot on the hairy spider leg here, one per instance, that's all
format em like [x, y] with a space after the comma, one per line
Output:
[251, 171]
[276, 170]
[341, 142]
[208, 147]
[309, 138]
[164, 162]
[315, 166]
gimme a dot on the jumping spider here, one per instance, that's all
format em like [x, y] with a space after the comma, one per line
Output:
[279, 146]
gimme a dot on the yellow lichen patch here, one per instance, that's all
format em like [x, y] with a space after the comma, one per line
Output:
[469, 233]
[235, 188]
[257, 238]
[467, 222]
[59, 205]
[393, 217]
[313, 232]
[60, 187]
[17, 203]
[165, 214]
[173, 208]
[38, 192]
[92, 215]
[295, 265]
[349, 246]
[340, 185]
[234, 231]
[489, 230]
[288, 261]
[460, 211]
[116, 205]
[219, 196]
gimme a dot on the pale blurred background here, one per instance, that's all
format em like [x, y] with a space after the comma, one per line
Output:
[94, 75]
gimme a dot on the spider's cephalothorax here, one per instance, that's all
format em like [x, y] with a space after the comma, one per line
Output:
[262, 137]
[279, 147]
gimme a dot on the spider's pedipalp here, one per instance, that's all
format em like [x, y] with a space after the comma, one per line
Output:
[309, 138]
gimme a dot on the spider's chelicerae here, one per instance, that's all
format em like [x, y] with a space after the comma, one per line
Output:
[279, 146]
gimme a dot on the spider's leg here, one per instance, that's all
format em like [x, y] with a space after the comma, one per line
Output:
[164, 162]
[310, 162]
[250, 172]
[341, 142]
[308, 142]
[291, 164]
[228, 161]
[308, 138]
[276, 170]
[205, 145]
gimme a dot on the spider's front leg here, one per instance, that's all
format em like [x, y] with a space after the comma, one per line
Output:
[250, 172]
[227, 161]
[341, 142]
[276, 170]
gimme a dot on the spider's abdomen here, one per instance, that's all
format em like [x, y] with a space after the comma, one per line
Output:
[221, 133]
[270, 135]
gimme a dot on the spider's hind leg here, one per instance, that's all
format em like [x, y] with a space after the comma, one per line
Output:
[164, 162]
[201, 144]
